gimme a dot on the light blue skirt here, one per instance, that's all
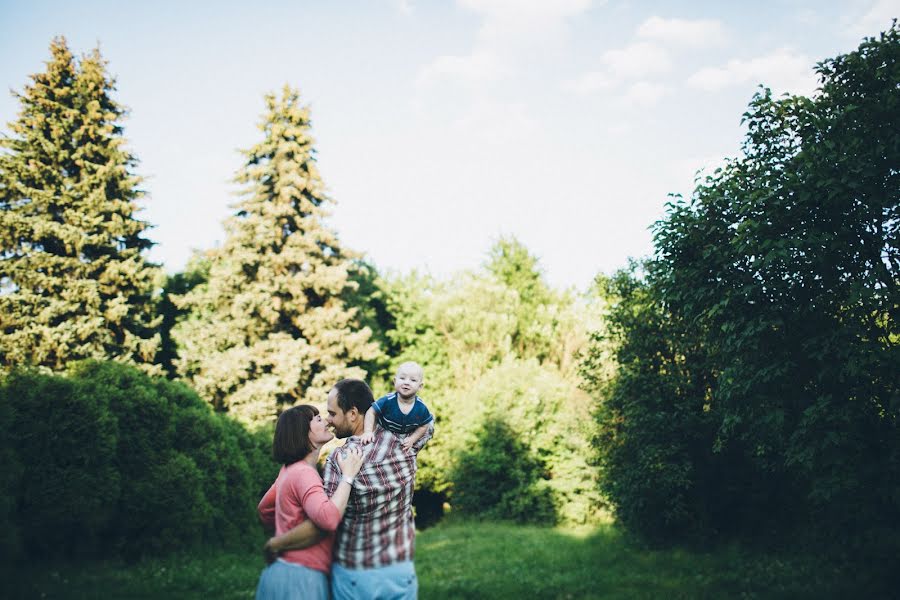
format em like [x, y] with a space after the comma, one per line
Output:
[289, 581]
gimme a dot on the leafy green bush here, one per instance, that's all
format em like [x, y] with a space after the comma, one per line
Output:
[66, 440]
[496, 477]
[119, 461]
[542, 440]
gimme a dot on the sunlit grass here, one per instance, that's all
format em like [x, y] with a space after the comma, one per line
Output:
[471, 559]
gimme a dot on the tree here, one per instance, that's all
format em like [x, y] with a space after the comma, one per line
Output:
[510, 263]
[270, 326]
[762, 342]
[74, 283]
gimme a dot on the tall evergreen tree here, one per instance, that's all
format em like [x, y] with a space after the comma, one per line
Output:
[270, 327]
[73, 280]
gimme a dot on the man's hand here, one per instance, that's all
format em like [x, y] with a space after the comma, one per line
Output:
[269, 552]
[367, 438]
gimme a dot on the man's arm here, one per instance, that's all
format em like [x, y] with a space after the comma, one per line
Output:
[302, 536]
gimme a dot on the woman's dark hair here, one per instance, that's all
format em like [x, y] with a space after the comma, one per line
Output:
[291, 442]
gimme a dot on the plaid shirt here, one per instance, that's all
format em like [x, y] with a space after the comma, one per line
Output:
[378, 528]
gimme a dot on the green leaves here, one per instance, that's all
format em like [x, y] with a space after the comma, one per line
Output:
[270, 326]
[757, 355]
[75, 281]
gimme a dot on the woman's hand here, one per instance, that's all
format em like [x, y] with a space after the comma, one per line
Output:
[350, 461]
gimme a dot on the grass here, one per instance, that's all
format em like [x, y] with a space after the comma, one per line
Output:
[471, 559]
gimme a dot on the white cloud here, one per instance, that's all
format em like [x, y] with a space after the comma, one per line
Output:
[589, 83]
[528, 22]
[698, 33]
[645, 94]
[519, 10]
[404, 7]
[497, 123]
[509, 28]
[470, 69]
[783, 70]
[636, 60]
[876, 18]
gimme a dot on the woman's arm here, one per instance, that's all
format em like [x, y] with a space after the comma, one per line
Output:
[326, 512]
[318, 507]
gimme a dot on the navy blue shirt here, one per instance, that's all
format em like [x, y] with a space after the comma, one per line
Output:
[387, 408]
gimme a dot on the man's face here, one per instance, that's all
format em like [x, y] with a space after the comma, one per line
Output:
[337, 419]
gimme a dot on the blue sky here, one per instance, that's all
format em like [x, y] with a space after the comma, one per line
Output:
[441, 126]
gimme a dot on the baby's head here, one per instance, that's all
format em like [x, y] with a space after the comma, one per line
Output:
[409, 379]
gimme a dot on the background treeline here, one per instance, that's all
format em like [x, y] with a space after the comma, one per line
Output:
[741, 383]
[272, 317]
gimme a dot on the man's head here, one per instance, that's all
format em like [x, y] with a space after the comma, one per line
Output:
[348, 402]
[409, 379]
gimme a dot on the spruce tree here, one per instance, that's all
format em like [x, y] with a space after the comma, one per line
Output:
[73, 280]
[269, 327]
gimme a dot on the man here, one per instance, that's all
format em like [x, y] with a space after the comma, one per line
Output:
[374, 545]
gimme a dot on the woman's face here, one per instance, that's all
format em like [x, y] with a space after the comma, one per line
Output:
[318, 432]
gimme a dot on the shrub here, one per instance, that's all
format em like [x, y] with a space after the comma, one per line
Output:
[67, 493]
[117, 460]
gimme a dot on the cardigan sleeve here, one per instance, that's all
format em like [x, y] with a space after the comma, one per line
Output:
[316, 504]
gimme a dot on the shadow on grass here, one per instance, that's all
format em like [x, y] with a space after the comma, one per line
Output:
[494, 560]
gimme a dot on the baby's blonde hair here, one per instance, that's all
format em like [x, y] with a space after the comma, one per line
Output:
[412, 365]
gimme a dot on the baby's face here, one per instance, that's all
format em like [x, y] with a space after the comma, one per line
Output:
[408, 381]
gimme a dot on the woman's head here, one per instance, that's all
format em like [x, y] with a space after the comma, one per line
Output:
[299, 431]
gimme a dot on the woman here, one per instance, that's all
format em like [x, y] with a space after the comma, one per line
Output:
[297, 495]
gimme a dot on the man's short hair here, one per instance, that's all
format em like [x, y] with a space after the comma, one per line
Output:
[291, 442]
[354, 393]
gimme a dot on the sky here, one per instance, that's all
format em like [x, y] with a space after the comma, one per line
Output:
[442, 126]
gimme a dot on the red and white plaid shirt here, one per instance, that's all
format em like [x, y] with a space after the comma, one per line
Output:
[377, 529]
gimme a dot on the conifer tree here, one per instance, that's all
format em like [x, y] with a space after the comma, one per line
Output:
[74, 283]
[269, 327]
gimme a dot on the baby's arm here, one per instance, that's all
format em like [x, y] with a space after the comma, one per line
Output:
[415, 436]
[368, 427]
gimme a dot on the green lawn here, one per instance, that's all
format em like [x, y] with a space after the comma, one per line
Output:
[473, 560]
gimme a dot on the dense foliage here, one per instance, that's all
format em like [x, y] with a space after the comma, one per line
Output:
[757, 389]
[499, 349]
[269, 327]
[106, 460]
[73, 280]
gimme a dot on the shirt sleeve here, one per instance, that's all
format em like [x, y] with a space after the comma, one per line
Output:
[378, 405]
[318, 507]
[427, 417]
[266, 507]
[332, 475]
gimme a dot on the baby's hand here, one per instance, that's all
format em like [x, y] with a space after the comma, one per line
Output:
[367, 438]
